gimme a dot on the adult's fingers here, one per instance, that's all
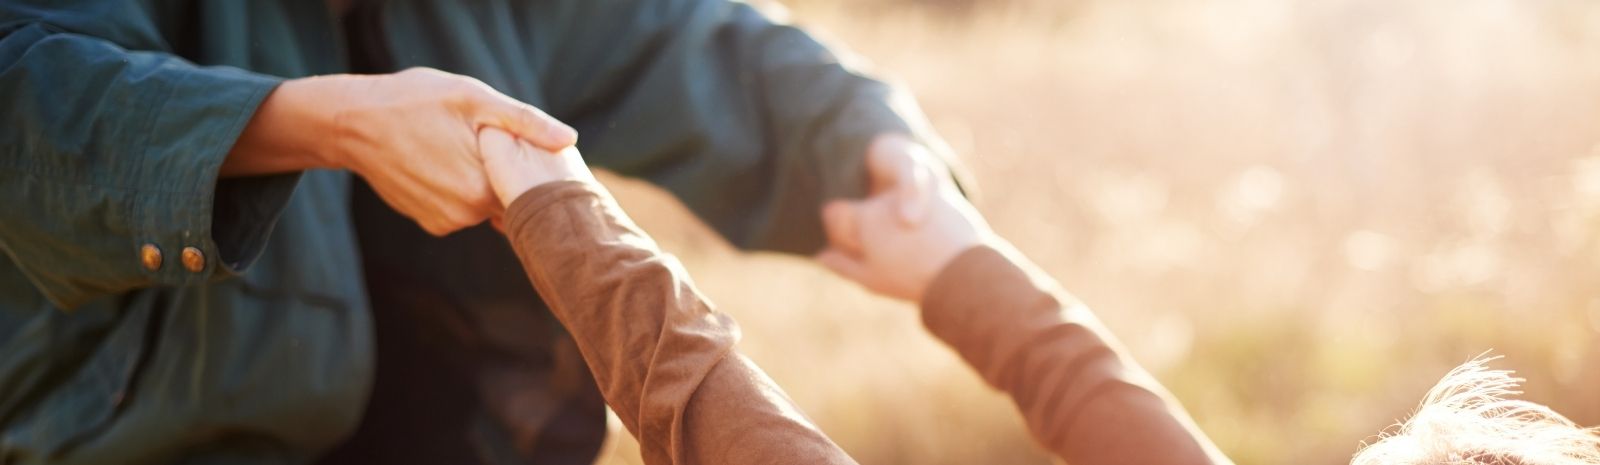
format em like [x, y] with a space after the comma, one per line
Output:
[524, 121]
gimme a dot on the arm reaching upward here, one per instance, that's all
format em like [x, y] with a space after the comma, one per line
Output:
[661, 355]
[1082, 396]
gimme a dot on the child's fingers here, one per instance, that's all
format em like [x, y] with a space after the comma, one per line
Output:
[840, 222]
[495, 144]
[903, 167]
[844, 264]
[915, 191]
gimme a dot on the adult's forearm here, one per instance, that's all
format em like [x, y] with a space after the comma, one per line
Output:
[662, 357]
[291, 131]
[1083, 398]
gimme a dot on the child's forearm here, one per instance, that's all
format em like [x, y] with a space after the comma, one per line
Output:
[662, 357]
[1083, 398]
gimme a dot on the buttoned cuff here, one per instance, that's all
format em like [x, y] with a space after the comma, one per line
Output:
[244, 212]
[113, 162]
[207, 225]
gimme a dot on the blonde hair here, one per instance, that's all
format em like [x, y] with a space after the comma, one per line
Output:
[1468, 419]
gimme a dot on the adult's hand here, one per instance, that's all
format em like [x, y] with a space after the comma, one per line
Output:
[412, 135]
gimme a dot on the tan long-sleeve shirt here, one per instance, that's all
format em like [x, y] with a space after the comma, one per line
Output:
[664, 359]
[1083, 398]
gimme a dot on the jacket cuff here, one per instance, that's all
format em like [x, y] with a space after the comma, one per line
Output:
[117, 153]
[243, 214]
[227, 220]
[880, 109]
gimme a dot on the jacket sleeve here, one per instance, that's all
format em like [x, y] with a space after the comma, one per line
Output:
[111, 143]
[752, 123]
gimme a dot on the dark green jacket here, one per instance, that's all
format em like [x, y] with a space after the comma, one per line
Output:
[114, 118]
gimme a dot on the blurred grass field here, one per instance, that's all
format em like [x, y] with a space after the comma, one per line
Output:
[1298, 213]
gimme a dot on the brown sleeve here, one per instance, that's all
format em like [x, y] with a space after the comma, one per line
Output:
[1083, 398]
[663, 358]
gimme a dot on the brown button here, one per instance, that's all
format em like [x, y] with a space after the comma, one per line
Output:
[150, 255]
[193, 260]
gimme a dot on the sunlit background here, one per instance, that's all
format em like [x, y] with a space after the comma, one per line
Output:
[1299, 214]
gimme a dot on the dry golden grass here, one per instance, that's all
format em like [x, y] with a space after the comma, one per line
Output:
[1299, 213]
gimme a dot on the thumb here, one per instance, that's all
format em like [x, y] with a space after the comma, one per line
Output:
[495, 149]
[895, 164]
[914, 195]
[494, 142]
[498, 151]
[526, 122]
[841, 225]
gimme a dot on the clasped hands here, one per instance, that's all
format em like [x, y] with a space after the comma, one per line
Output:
[450, 152]
[894, 242]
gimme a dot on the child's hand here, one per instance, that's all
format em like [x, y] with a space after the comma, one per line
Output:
[514, 166]
[870, 243]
